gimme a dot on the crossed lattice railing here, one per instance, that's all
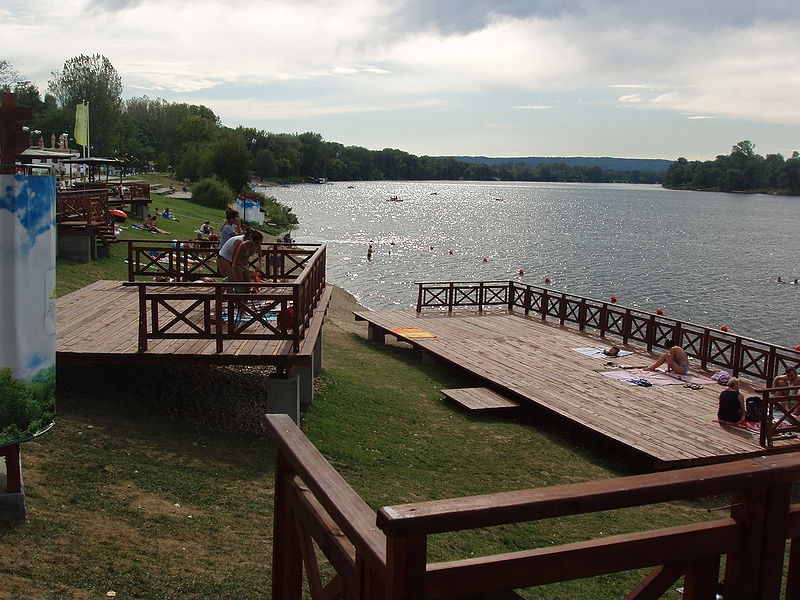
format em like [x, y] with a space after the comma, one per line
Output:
[384, 557]
[711, 347]
[226, 311]
[186, 261]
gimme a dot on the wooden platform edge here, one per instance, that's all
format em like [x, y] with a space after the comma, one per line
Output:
[480, 399]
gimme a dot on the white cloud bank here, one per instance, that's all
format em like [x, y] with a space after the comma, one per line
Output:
[731, 59]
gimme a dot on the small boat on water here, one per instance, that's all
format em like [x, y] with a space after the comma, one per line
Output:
[394, 199]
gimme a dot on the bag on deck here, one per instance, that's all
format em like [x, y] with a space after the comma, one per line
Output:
[753, 409]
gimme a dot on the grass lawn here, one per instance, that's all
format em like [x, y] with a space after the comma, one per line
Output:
[134, 491]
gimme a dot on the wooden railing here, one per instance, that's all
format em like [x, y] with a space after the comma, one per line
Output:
[778, 408]
[711, 347]
[84, 207]
[385, 557]
[183, 261]
[226, 311]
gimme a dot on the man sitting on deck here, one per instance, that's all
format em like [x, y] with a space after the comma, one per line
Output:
[677, 361]
[788, 379]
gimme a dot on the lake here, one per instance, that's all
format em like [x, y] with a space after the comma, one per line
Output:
[709, 258]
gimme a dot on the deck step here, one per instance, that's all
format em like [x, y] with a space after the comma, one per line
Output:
[480, 399]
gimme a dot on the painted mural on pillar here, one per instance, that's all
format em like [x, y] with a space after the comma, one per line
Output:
[27, 306]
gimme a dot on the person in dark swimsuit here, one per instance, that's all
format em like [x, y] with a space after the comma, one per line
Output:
[731, 403]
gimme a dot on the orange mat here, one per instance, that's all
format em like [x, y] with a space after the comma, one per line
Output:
[412, 332]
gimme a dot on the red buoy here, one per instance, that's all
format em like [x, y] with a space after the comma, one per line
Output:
[724, 328]
[614, 299]
[797, 347]
[521, 271]
[450, 252]
[547, 280]
[659, 311]
[485, 259]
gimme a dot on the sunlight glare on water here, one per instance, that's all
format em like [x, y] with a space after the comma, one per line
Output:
[707, 258]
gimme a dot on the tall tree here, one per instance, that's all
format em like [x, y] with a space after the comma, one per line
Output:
[8, 75]
[93, 79]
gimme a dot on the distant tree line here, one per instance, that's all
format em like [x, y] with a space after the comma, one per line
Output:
[189, 140]
[740, 171]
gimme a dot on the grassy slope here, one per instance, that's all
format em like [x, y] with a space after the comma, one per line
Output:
[104, 485]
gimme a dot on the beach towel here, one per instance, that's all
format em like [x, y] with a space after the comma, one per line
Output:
[656, 377]
[755, 427]
[140, 228]
[597, 352]
[412, 332]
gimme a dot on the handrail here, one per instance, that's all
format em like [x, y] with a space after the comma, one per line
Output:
[347, 508]
[395, 565]
[740, 354]
[439, 516]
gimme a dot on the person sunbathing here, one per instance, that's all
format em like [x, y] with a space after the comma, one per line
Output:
[676, 359]
[150, 224]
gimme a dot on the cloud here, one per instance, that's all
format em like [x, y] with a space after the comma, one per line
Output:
[533, 107]
[694, 117]
[306, 58]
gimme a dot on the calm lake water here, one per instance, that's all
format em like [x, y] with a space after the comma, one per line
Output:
[708, 258]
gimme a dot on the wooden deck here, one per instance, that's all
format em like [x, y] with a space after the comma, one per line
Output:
[532, 361]
[99, 324]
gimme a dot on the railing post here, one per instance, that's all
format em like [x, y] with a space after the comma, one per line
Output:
[511, 292]
[562, 308]
[142, 319]
[700, 581]
[603, 319]
[218, 316]
[651, 333]
[543, 306]
[737, 355]
[299, 316]
[527, 300]
[450, 295]
[287, 558]
[705, 347]
[406, 560]
[582, 315]
[481, 295]
[130, 261]
[419, 298]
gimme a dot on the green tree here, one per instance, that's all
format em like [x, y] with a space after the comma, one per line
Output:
[8, 76]
[212, 192]
[93, 79]
[230, 160]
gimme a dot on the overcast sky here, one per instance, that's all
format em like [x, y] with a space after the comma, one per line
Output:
[628, 78]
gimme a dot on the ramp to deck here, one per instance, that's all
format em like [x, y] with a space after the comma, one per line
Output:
[533, 361]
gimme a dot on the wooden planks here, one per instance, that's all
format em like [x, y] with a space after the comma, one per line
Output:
[529, 358]
[480, 399]
[99, 324]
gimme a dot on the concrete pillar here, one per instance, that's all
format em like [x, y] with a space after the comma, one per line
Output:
[305, 375]
[376, 334]
[12, 502]
[316, 355]
[283, 396]
[76, 247]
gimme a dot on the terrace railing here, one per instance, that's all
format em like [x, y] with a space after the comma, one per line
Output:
[183, 261]
[780, 413]
[85, 207]
[713, 348]
[222, 311]
[384, 557]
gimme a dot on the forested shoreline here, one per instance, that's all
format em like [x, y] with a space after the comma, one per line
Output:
[740, 171]
[191, 141]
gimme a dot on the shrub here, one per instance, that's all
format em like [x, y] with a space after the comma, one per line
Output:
[213, 193]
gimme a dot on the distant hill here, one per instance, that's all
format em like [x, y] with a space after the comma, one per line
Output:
[604, 162]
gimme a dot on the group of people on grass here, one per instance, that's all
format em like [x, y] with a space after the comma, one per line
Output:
[732, 405]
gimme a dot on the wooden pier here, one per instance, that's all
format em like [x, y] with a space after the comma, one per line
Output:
[532, 361]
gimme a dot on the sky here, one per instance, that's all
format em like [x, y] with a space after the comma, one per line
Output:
[627, 78]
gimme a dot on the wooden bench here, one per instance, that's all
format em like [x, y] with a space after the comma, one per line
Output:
[480, 399]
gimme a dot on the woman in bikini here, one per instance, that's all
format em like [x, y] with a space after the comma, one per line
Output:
[676, 359]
